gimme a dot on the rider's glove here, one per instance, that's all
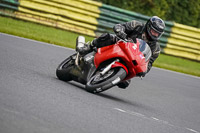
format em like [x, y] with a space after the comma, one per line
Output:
[122, 35]
[119, 31]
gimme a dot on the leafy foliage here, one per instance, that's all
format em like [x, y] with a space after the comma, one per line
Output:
[181, 11]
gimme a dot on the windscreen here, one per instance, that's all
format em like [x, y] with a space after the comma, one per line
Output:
[145, 49]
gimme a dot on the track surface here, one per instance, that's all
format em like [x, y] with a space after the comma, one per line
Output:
[33, 100]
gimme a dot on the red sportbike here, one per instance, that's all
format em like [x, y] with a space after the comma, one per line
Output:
[108, 66]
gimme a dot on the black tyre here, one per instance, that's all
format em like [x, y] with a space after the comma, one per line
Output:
[99, 83]
[62, 72]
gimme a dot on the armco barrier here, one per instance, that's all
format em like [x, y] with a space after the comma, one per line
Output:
[10, 4]
[94, 18]
[184, 41]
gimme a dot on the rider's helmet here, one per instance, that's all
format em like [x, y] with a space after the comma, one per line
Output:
[155, 28]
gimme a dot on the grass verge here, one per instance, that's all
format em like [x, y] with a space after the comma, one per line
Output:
[68, 39]
[39, 32]
[178, 64]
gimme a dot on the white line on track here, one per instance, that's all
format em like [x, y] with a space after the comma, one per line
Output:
[154, 119]
[192, 130]
[73, 49]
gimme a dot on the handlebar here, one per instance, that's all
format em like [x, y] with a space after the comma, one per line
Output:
[124, 40]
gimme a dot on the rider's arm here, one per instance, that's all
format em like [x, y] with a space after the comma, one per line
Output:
[128, 27]
[155, 54]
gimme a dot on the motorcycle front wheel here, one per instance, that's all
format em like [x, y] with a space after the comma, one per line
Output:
[98, 83]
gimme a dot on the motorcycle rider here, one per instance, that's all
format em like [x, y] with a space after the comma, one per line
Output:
[149, 32]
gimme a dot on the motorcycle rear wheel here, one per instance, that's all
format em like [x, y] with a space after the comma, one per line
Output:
[62, 72]
[98, 83]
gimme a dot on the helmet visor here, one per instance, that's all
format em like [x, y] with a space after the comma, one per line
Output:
[153, 32]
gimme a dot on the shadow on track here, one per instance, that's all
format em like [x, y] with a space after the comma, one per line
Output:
[135, 104]
[123, 101]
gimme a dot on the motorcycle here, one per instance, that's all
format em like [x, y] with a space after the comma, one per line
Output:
[104, 68]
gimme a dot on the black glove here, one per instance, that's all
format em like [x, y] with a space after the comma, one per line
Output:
[133, 40]
[122, 35]
[119, 31]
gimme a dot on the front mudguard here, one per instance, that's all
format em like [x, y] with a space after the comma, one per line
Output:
[118, 64]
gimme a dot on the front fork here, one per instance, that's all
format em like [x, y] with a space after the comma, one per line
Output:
[115, 63]
[108, 67]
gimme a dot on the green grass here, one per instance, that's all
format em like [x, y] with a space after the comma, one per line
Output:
[39, 32]
[178, 64]
[68, 39]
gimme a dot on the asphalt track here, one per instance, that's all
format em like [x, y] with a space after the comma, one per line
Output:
[33, 100]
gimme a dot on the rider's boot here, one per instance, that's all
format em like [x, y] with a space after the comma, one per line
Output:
[82, 47]
[124, 84]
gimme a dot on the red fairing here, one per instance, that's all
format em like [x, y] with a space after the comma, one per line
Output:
[128, 52]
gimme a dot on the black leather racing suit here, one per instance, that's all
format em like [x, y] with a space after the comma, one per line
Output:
[133, 29]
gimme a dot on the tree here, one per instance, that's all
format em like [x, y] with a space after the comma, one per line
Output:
[181, 11]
